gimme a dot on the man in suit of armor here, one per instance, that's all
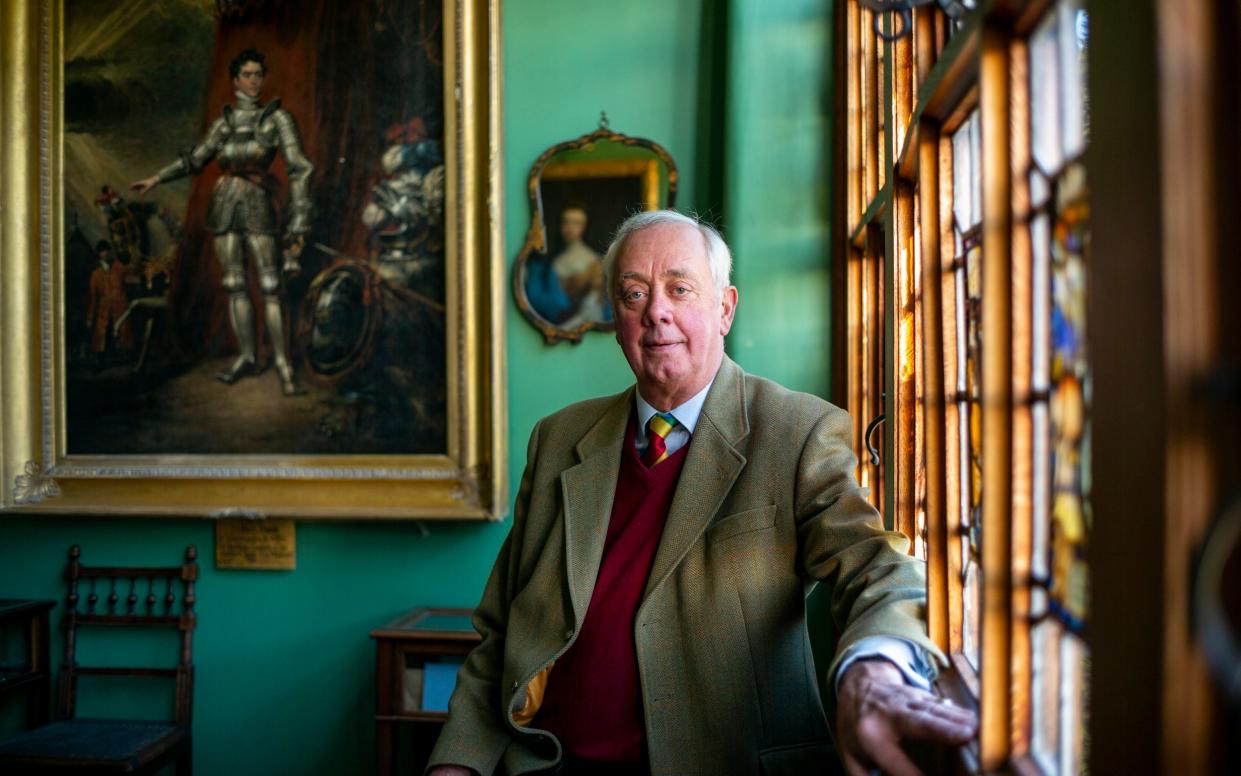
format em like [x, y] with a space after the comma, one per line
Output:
[242, 213]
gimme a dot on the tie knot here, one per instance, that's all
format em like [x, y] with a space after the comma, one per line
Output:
[661, 423]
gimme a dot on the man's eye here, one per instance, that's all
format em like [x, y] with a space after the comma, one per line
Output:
[633, 295]
[680, 290]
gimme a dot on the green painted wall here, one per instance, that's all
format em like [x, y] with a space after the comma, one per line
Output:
[284, 665]
[776, 205]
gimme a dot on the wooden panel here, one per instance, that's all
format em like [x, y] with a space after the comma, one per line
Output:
[841, 198]
[870, 110]
[953, 518]
[855, 262]
[1192, 337]
[877, 378]
[853, 84]
[902, 88]
[1022, 518]
[872, 357]
[902, 404]
[996, 402]
[933, 401]
[1128, 420]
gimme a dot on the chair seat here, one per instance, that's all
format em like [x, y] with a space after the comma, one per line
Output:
[120, 746]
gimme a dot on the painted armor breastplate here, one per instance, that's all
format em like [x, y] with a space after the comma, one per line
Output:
[250, 146]
[244, 142]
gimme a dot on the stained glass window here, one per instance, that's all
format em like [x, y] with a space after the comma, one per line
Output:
[1033, 93]
[1059, 240]
[967, 218]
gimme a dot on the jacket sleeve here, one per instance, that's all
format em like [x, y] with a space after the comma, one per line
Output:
[877, 587]
[476, 733]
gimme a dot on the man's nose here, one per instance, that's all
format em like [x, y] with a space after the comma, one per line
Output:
[658, 309]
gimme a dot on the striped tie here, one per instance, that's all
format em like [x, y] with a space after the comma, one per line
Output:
[657, 430]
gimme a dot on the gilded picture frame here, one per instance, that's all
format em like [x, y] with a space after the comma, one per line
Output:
[39, 474]
[647, 171]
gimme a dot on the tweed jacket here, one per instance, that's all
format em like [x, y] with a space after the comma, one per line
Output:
[766, 504]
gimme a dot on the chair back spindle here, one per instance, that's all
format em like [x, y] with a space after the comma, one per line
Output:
[166, 580]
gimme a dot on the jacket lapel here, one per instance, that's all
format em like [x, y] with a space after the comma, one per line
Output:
[712, 465]
[588, 490]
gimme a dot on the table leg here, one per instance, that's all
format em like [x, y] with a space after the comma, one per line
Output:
[385, 705]
[38, 697]
[383, 747]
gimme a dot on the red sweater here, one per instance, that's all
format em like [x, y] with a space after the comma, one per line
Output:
[593, 702]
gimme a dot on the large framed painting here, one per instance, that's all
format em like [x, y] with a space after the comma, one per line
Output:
[251, 258]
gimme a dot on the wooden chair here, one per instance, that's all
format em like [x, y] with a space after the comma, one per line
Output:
[134, 597]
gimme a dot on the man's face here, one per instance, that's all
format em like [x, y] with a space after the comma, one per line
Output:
[670, 320]
[572, 224]
[249, 80]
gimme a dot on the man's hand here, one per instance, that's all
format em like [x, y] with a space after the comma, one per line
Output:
[451, 770]
[144, 185]
[876, 709]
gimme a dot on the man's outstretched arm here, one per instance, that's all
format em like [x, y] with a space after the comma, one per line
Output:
[878, 590]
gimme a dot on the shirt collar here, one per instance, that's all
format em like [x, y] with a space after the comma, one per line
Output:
[686, 414]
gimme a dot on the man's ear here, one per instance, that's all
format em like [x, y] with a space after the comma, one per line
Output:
[728, 309]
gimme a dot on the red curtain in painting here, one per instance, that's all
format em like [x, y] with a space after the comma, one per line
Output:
[347, 71]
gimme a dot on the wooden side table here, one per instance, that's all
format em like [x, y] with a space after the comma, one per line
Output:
[33, 677]
[424, 635]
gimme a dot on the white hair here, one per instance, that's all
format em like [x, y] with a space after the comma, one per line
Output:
[719, 258]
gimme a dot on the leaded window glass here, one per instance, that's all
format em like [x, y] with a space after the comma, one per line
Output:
[1059, 239]
[967, 264]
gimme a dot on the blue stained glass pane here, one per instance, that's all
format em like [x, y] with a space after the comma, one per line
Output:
[1070, 381]
[1059, 236]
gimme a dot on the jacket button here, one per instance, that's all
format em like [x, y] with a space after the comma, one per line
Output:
[516, 685]
[568, 634]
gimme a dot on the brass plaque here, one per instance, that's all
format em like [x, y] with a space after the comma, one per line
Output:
[255, 544]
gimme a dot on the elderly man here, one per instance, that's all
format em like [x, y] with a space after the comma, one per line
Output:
[647, 612]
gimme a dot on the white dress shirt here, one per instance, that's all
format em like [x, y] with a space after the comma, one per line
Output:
[686, 416]
[908, 657]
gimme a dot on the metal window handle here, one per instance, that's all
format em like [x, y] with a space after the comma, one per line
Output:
[870, 431]
[1217, 635]
[953, 9]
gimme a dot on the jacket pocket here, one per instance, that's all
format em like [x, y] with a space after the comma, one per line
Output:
[800, 759]
[756, 519]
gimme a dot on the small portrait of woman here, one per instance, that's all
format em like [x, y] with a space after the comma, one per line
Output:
[566, 287]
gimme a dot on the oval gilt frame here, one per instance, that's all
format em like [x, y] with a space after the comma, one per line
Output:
[536, 235]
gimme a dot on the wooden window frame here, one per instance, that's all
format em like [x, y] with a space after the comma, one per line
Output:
[1162, 199]
[981, 65]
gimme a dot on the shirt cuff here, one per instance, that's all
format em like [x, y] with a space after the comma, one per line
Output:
[908, 658]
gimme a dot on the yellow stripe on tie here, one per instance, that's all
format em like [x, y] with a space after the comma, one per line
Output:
[660, 426]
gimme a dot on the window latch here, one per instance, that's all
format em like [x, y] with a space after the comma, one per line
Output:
[870, 432]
